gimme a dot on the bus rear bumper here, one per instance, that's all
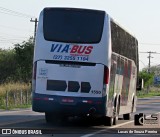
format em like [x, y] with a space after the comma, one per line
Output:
[71, 106]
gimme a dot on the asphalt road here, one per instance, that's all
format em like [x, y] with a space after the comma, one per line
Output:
[30, 121]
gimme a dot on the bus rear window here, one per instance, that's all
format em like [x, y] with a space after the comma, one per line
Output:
[73, 25]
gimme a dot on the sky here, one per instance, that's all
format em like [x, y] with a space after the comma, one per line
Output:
[139, 17]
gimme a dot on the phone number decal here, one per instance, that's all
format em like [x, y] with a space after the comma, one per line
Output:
[71, 58]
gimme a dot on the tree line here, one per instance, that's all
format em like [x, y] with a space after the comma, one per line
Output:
[16, 63]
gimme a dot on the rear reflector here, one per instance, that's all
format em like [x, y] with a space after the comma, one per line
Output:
[106, 75]
[37, 98]
[99, 102]
[46, 99]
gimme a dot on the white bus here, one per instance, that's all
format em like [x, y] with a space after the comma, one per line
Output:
[85, 64]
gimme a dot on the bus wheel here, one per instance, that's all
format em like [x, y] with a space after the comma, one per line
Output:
[108, 121]
[50, 118]
[115, 120]
[116, 113]
[132, 108]
[127, 116]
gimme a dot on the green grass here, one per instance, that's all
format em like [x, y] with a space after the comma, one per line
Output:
[17, 107]
[23, 106]
[143, 94]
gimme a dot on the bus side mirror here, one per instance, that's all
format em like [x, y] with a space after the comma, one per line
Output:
[140, 84]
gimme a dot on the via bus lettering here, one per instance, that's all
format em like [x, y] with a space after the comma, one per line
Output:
[72, 49]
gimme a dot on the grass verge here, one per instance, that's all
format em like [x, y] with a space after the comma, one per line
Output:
[15, 95]
[143, 94]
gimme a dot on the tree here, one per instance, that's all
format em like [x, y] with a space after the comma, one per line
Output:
[24, 58]
[147, 77]
[8, 65]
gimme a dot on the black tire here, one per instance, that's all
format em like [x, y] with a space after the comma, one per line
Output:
[116, 111]
[132, 108]
[50, 118]
[108, 121]
[127, 116]
[118, 106]
[115, 120]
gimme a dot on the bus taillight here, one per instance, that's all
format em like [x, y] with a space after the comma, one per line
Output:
[106, 75]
